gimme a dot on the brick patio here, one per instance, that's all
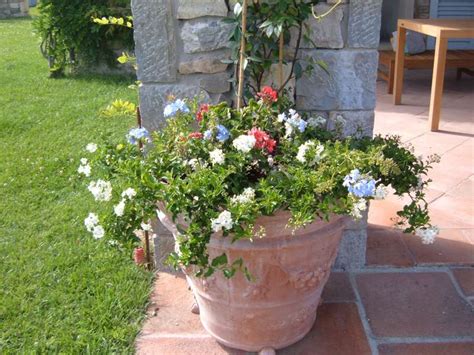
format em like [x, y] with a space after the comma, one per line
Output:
[411, 298]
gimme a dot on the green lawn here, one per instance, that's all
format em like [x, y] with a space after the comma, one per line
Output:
[60, 290]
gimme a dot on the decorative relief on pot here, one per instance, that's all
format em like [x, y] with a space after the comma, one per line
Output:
[306, 280]
[256, 292]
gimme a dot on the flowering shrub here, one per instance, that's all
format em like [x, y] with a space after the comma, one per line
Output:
[220, 169]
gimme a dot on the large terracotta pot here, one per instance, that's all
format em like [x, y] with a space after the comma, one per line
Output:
[279, 307]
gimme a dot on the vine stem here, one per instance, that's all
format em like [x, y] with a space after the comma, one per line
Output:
[242, 55]
[319, 17]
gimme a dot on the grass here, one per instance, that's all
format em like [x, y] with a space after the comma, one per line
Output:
[61, 291]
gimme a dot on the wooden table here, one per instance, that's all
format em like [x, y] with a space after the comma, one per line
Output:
[442, 30]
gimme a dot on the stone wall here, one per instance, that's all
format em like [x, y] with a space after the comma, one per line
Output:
[180, 45]
[13, 8]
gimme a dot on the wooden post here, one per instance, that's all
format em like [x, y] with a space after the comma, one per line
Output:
[280, 59]
[438, 82]
[399, 64]
[242, 56]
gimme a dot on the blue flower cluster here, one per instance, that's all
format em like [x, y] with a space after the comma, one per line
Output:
[137, 134]
[173, 108]
[295, 120]
[359, 185]
[222, 135]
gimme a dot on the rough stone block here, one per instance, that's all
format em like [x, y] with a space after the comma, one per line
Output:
[352, 123]
[216, 84]
[189, 9]
[155, 46]
[205, 35]
[329, 31]
[352, 250]
[349, 85]
[206, 63]
[364, 23]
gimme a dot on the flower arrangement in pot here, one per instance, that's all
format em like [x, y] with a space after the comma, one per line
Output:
[257, 198]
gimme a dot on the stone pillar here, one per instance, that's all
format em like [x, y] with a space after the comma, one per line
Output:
[180, 45]
[13, 8]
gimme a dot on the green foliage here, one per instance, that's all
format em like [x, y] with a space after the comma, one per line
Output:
[216, 180]
[69, 36]
[266, 20]
[61, 291]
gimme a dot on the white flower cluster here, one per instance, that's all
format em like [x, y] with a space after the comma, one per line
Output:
[317, 122]
[93, 226]
[217, 156]
[244, 143]
[101, 190]
[381, 192]
[359, 206]
[91, 147]
[119, 209]
[303, 150]
[84, 168]
[223, 221]
[427, 235]
[247, 196]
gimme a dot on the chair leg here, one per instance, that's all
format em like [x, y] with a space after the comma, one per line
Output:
[459, 74]
[391, 77]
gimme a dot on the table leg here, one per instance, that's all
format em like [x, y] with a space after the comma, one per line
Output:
[438, 82]
[399, 65]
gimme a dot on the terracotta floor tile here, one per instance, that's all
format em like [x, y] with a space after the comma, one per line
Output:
[414, 305]
[337, 331]
[465, 279]
[171, 304]
[451, 247]
[427, 349]
[338, 288]
[385, 247]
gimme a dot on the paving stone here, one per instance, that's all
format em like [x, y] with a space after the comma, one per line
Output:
[189, 9]
[349, 85]
[451, 247]
[156, 55]
[364, 23]
[386, 248]
[337, 331]
[352, 250]
[414, 305]
[338, 288]
[465, 279]
[427, 349]
[205, 35]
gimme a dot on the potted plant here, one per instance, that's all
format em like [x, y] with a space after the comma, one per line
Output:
[256, 199]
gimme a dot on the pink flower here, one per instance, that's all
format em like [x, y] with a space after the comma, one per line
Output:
[202, 109]
[139, 256]
[195, 135]
[268, 95]
[263, 140]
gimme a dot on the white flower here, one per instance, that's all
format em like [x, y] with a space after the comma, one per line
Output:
[248, 195]
[316, 122]
[305, 148]
[237, 9]
[91, 147]
[91, 221]
[217, 156]
[120, 208]
[381, 192]
[84, 169]
[98, 232]
[271, 161]
[146, 226]
[281, 117]
[223, 221]
[288, 130]
[193, 163]
[129, 193]
[244, 143]
[101, 190]
[358, 207]
[427, 235]
[84, 161]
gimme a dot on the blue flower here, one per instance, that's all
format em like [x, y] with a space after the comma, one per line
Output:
[137, 134]
[222, 133]
[173, 108]
[208, 134]
[359, 185]
[302, 125]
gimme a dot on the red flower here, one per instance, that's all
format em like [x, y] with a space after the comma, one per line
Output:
[139, 256]
[202, 109]
[263, 140]
[195, 135]
[268, 95]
